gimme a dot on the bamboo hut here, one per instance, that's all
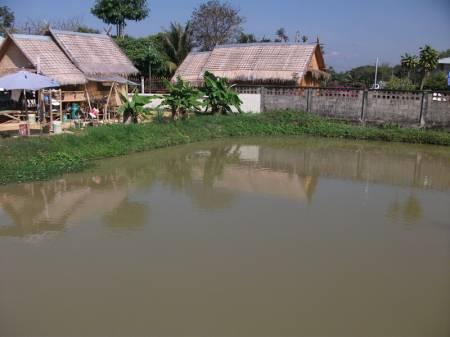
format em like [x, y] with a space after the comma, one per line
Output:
[103, 63]
[258, 63]
[91, 68]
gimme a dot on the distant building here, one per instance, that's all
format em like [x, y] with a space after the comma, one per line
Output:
[258, 63]
[444, 64]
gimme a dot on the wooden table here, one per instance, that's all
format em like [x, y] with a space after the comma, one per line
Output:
[13, 114]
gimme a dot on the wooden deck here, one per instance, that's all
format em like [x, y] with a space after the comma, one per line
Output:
[9, 127]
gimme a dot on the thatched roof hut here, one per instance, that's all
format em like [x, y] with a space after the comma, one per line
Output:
[94, 54]
[68, 57]
[262, 63]
[39, 53]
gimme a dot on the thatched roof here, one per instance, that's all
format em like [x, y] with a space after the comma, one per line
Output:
[52, 61]
[255, 62]
[192, 67]
[94, 53]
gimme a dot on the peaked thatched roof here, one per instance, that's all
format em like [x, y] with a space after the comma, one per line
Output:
[192, 67]
[52, 61]
[264, 62]
[94, 53]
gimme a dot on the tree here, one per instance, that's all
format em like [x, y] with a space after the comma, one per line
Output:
[145, 52]
[86, 29]
[397, 83]
[436, 81]
[177, 44]
[215, 23]
[220, 97]
[304, 39]
[281, 35]
[428, 61]
[410, 63]
[444, 53]
[6, 19]
[117, 12]
[40, 27]
[321, 45]
[247, 38]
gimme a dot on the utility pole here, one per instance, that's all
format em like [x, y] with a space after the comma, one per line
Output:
[375, 86]
[149, 71]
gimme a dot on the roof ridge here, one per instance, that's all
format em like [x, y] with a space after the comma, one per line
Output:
[264, 44]
[31, 37]
[68, 32]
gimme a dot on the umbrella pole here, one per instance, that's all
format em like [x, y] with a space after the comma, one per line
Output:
[26, 112]
[51, 109]
[41, 109]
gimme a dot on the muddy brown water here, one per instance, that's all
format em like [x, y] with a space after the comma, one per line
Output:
[250, 237]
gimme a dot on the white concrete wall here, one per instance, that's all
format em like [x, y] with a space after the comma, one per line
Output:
[251, 103]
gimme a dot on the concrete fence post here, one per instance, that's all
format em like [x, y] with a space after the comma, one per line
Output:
[365, 99]
[142, 85]
[309, 96]
[307, 99]
[423, 108]
[262, 92]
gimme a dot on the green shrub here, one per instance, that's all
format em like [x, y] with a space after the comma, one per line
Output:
[38, 158]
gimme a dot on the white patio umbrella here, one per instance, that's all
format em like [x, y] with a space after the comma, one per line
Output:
[24, 80]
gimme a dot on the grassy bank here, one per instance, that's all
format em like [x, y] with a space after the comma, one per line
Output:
[39, 158]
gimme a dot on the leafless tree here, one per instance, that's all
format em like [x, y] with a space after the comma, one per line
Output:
[39, 27]
[214, 23]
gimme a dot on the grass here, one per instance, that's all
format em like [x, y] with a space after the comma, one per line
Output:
[40, 158]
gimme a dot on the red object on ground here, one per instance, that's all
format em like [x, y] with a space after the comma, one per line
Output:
[24, 129]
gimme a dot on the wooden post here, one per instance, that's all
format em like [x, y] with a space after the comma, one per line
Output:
[107, 100]
[117, 94]
[87, 96]
[60, 106]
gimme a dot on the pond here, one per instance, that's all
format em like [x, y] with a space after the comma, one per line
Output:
[249, 237]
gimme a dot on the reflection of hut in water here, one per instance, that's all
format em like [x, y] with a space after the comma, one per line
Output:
[260, 181]
[239, 169]
[38, 208]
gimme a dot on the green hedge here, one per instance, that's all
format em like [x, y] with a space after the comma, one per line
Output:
[39, 158]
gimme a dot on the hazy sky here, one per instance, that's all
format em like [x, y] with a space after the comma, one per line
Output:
[354, 32]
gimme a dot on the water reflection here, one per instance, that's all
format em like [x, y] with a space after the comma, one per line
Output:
[409, 211]
[215, 175]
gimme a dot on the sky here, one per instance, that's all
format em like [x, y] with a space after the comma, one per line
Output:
[355, 32]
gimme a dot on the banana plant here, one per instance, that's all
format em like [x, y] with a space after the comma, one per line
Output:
[134, 109]
[220, 97]
[182, 99]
